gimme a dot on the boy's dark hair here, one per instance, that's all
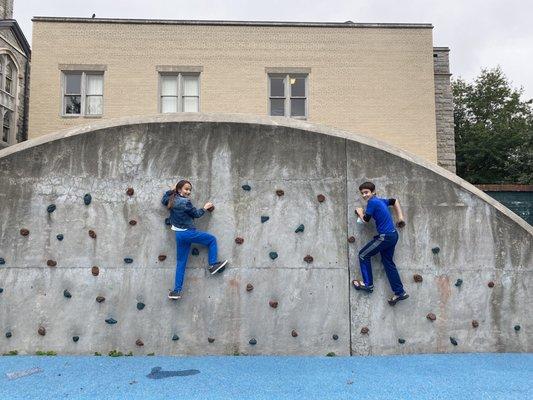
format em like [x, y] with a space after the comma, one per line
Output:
[367, 185]
[179, 185]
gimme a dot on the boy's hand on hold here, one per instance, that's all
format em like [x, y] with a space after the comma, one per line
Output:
[208, 205]
[400, 223]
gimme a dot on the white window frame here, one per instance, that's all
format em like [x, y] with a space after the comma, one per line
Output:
[179, 75]
[287, 93]
[83, 94]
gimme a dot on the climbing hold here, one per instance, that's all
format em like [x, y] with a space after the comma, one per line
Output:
[75, 338]
[294, 333]
[321, 198]
[162, 257]
[253, 342]
[111, 321]
[87, 199]
[331, 354]
[246, 188]
[273, 303]
[140, 306]
[417, 278]
[239, 240]
[351, 239]
[300, 228]
[8, 334]
[95, 270]
[195, 251]
[335, 337]
[51, 208]
[210, 340]
[130, 191]
[139, 342]
[51, 263]
[211, 209]
[167, 221]
[60, 237]
[24, 232]
[2, 261]
[401, 341]
[490, 284]
[273, 255]
[92, 234]
[475, 323]
[431, 317]
[264, 218]
[308, 259]
[458, 282]
[280, 192]
[1, 290]
[249, 287]
[133, 222]
[100, 299]
[517, 328]
[453, 341]
[175, 337]
[41, 331]
[364, 330]
[435, 250]
[128, 260]
[67, 294]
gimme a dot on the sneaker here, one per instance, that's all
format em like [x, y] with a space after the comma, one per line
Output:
[396, 298]
[174, 295]
[213, 269]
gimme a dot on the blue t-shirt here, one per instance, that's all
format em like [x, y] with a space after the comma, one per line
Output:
[378, 209]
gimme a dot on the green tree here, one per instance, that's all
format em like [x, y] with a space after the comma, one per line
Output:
[493, 130]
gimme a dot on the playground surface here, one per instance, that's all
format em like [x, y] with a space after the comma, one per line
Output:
[443, 376]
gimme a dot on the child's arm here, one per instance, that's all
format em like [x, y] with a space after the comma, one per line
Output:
[398, 212]
[361, 214]
[194, 212]
[166, 197]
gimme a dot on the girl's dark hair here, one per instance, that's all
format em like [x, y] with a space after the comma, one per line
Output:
[179, 185]
[367, 185]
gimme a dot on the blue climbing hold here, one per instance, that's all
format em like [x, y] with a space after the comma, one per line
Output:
[140, 306]
[67, 294]
[458, 282]
[300, 228]
[264, 219]
[195, 251]
[60, 237]
[246, 187]
[253, 342]
[273, 255]
[51, 208]
[401, 341]
[111, 321]
[75, 338]
[2, 261]
[87, 199]
[167, 221]
[128, 260]
[175, 337]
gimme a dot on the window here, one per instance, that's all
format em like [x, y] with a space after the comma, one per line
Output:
[83, 93]
[6, 126]
[180, 93]
[9, 78]
[288, 95]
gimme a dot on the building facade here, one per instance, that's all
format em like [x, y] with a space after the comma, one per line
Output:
[376, 80]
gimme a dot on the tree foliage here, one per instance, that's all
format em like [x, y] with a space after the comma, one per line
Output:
[493, 130]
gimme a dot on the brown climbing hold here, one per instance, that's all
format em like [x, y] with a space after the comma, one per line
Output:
[417, 278]
[431, 316]
[364, 330]
[280, 192]
[51, 263]
[100, 299]
[491, 284]
[139, 342]
[475, 323]
[351, 239]
[249, 287]
[273, 303]
[239, 240]
[294, 333]
[308, 259]
[41, 331]
[210, 340]
[24, 232]
[162, 257]
[95, 270]
[92, 234]
[321, 198]
[133, 222]
[130, 191]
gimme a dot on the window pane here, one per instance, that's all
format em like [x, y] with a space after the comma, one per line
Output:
[95, 84]
[297, 107]
[298, 87]
[94, 105]
[190, 104]
[5, 131]
[277, 107]
[73, 84]
[9, 71]
[72, 104]
[277, 88]
[190, 85]
[8, 86]
[169, 104]
[5, 134]
[169, 85]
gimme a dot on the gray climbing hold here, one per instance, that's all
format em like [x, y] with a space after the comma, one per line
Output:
[140, 306]
[458, 282]
[195, 251]
[335, 337]
[300, 229]
[60, 237]
[517, 328]
[51, 208]
[253, 342]
[453, 341]
[175, 337]
[75, 338]
[167, 221]
[435, 250]
[111, 321]
[8, 334]
[128, 260]
[67, 294]
[246, 188]
[264, 218]
[87, 199]
[401, 341]
[273, 255]
[2, 261]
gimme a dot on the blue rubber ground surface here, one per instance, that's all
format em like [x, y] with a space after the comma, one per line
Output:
[458, 376]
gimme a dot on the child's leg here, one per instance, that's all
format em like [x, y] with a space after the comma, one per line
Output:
[387, 255]
[370, 249]
[183, 247]
[208, 240]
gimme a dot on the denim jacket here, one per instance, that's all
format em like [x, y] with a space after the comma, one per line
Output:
[183, 212]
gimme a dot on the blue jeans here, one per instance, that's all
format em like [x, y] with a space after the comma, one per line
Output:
[383, 244]
[184, 239]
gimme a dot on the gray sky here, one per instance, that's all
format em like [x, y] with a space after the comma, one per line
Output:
[480, 33]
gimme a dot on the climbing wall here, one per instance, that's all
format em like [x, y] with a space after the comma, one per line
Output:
[87, 258]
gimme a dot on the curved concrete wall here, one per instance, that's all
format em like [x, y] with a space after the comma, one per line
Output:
[453, 232]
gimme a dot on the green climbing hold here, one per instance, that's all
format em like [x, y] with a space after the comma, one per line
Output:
[140, 306]
[67, 294]
[60, 237]
[195, 251]
[300, 228]
[453, 341]
[273, 255]
[401, 341]
[87, 199]
[435, 250]
[128, 260]
[264, 218]
[175, 337]
[331, 354]
[246, 188]
[517, 328]
[458, 282]
[75, 338]
[111, 321]
[253, 342]
[51, 208]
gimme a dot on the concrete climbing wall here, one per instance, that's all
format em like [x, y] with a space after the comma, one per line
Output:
[93, 276]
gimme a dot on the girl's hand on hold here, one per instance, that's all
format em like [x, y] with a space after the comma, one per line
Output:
[208, 205]
[400, 223]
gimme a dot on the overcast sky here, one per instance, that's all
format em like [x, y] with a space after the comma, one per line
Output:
[480, 33]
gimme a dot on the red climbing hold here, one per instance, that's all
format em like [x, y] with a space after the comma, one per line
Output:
[239, 240]
[431, 317]
[321, 198]
[491, 284]
[273, 303]
[139, 342]
[133, 222]
[92, 234]
[41, 331]
[51, 263]
[417, 278]
[351, 239]
[364, 330]
[475, 323]
[162, 257]
[280, 192]
[308, 259]
[95, 270]
[294, 333]
[130, 191]
[24, 232]
[249, 287]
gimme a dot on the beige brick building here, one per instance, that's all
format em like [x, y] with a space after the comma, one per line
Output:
[372, 79]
